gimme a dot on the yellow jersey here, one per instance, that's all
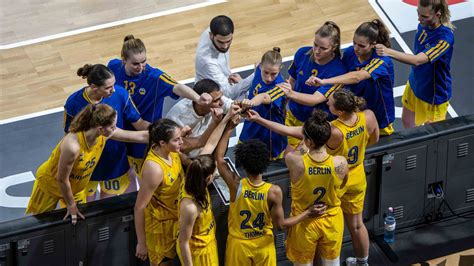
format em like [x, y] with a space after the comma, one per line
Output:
[355, 140]
[319, 184]
[81, 171]
[204, 230]
[249, 214]
[164, 202]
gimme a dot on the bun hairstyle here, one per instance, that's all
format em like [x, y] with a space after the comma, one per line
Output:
[375, 31]
[196, 178]
[132, 46]
[330, 30]
[272, 57]
[346, 101]
[317, 128]
[95, 74]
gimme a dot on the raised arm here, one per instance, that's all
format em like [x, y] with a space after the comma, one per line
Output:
[152, 176]
[69, 153]
[231, 179]
[296, 132]
[414, 60]
[188, 93]
[352, 77]
[188, 213]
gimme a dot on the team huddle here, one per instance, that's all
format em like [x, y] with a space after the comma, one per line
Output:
[320, 121]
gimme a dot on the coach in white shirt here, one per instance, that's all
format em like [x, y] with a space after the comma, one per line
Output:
[213, 59]
[199, 117]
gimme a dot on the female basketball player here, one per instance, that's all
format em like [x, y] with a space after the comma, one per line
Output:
[148, 88]
[68, 170]
[322, 60]
[269, 101]
[428, 89]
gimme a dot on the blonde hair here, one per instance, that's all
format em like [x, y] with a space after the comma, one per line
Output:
[132, 46]
[272, 57]
[330, 30]
[442, 7]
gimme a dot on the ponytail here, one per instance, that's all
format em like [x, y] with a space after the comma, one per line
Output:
[346, 101]
[375, 31]
[95, 74]
[132, 46]
[272, 57]
[196, 178]
[93, 115]
[442, 7]
[330, 30]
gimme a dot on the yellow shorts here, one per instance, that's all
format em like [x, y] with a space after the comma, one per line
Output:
[387, 131]
[41, 201]
[292, 121]
[136, 164]
[353, 192]
[206, 256]
[260, 251]
[424, 112]
[160, 238]
[116, 186]
[324, 233]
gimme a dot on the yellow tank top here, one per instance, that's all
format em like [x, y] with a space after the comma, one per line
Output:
[204, 230]
[81, 171]
[318, 184]
[249, 214]
[355, 140]
[164, 202]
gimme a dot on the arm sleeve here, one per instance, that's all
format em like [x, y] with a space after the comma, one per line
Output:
[441, 47]
[377, 68]
[165, 86]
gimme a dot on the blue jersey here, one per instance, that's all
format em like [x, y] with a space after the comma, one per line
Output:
[431, 82]
[301, 69]
[148, 91]
[275, 111]
[378, 89]
[113, 162]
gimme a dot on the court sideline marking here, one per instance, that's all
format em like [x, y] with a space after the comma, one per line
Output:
[111, 24]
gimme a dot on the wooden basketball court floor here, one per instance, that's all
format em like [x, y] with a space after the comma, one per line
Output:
[38, 60]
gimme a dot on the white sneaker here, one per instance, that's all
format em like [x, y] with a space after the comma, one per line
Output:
[351, 261]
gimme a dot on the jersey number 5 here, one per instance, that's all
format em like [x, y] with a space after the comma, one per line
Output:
[257, 223]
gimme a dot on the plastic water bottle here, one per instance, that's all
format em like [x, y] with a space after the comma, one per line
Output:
[390, 224]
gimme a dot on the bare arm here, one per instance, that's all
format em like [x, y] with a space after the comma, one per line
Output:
[341, 167]
[188, 213]
[141, 124]
[372, 127]
[295, 166]
[191, 143]
[336, 138]
[69, 153]
[352, 77]
[231, 179]
[186, 92]
[305, 98]
[130, 136]
[217, 133]
[414, 60]
[152, 177]
[296, 132]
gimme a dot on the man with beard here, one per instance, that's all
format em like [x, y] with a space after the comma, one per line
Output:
[213, 59]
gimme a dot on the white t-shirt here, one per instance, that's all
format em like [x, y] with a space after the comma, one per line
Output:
[213, 64]
[183, 114]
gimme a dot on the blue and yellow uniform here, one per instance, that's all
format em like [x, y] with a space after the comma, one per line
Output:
[161, 213]
[352, 148]
[428, 89]
[203, 243]
[319, 184]
[46, 192]
[250, 240]
[112, 169]
[301, 69]
[275, 111]
[378, 89]
[148, 91]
